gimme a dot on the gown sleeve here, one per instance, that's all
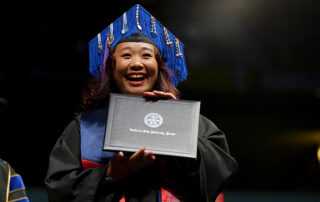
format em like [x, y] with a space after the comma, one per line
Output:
[66, 180]
[214, 166]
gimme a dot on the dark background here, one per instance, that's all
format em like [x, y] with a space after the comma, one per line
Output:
[254, 65]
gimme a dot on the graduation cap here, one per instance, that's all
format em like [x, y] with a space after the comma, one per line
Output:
[138, 25]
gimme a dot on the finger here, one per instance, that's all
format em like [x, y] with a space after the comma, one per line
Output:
[150, 94]
[148, 160]
[138, 154]
[157, 94]
[150, 155]
[164, 94]
[120, 155]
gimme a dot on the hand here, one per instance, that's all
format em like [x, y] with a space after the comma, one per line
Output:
[159, 94]
[121, 166]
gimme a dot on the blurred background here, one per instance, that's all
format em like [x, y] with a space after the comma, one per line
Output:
[253, 64]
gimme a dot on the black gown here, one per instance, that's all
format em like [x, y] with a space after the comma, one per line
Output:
[200, 179]
[11, 184]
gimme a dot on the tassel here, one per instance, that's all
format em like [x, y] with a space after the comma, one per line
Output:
[106, 54]
[124, 24]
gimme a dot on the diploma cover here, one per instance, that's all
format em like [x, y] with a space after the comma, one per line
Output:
[166, 127]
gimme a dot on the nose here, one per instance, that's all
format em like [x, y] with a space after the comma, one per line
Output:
[136, 64]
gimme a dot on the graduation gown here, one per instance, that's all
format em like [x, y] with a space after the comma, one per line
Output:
[200, 179]
[11, 184]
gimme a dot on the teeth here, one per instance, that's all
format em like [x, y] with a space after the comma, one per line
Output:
[136, 76]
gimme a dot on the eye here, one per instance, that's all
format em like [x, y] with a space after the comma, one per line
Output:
[126, 55]
[146, 55]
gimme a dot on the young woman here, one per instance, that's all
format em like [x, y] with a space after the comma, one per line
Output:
[79, 170]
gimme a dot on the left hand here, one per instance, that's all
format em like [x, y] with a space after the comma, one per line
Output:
[120, 166]
[159, 94]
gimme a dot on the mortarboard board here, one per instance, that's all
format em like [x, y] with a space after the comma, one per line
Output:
[141, 24]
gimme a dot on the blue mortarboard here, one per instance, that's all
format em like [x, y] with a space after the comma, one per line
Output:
[137, 21]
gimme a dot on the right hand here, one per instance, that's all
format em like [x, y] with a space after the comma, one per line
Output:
[159, 94]
[120, 166]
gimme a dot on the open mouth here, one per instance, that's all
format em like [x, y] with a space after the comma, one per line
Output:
[136, 77]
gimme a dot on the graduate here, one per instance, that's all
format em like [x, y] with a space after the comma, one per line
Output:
[137, 55]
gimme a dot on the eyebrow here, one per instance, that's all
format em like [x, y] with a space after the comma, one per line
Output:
[147, 48]
[127, 47]
[130, 47]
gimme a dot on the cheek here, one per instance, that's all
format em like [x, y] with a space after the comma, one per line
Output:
[120, 63]
[119, 69]
[153, 68]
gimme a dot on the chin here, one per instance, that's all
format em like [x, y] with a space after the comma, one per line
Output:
[135, 91]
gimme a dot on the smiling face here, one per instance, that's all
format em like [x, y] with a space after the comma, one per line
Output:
[136, 68]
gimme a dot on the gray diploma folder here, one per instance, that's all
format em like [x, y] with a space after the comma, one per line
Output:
[166, 127]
